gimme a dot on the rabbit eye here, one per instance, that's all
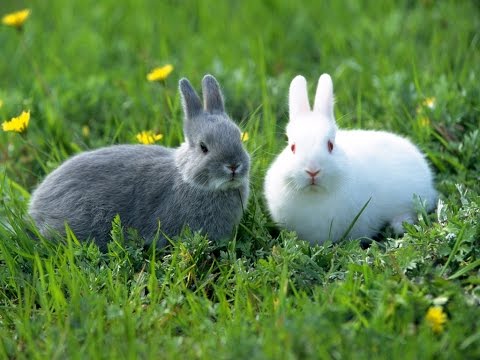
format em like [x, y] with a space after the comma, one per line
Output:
[330, 146]
[292, 147]
[203, 147]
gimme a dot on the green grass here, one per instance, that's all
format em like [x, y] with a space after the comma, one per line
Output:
[264, 294]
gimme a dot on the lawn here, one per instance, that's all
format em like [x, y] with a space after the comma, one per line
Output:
[80, 68]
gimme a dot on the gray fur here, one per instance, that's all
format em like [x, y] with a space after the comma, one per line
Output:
[192, 106]
[148, 184]
[212, 97]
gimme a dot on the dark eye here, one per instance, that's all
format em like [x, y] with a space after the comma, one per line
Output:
[292, 147]
[204, 148]
[330, 146]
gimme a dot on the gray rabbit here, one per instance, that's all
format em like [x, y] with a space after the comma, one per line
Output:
[203, 184]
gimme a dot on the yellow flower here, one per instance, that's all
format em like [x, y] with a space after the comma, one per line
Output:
[436, 318]
[244, 136]
[148, 137]
[16, 19]
[424, 121]
[18, 124]
[85, 131]
[430, 102]
[160, 73]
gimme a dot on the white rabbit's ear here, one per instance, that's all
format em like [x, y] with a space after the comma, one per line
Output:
[324, 96]
[298, 96]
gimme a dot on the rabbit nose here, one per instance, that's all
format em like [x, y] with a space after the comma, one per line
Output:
[233, 167]
[312, 173]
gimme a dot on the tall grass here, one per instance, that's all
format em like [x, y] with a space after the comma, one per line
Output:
[80, 67]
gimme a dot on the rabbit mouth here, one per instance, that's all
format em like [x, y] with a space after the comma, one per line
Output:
[312, 185]
[233, 182]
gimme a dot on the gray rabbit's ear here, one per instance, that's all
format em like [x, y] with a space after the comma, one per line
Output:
[192, 105]
[212, 96]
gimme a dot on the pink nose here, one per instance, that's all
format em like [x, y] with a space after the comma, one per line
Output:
[312, 173]
[233, 167]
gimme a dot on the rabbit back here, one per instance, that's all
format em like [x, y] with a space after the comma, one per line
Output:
[387, 165]
[89, 189]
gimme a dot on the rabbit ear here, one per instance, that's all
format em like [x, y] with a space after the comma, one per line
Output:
[324, 96]
[192, 105]
[212, 96]
[298, 96]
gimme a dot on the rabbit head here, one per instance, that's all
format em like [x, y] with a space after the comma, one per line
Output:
[314, 161]
[212, 156]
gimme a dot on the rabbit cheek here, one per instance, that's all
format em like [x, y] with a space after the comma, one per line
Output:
[219, 184]
[200, 178]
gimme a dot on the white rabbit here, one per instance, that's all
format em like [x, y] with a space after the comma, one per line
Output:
[321, 181]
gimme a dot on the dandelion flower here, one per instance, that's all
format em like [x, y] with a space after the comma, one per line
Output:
[85, 131]
[148, 137]
[17, 124]
[436, 318]
[244, 136]
[160, 73]
[16, 19]
[430, 102]
[424, 121]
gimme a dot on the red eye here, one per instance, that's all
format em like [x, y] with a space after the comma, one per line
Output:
[293, 148]
[330, 146]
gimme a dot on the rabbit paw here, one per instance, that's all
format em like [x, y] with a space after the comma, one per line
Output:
[397, 222]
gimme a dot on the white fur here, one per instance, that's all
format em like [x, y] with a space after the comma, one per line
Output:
[382, 167]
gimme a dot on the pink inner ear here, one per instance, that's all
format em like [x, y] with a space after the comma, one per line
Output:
[330, 146]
